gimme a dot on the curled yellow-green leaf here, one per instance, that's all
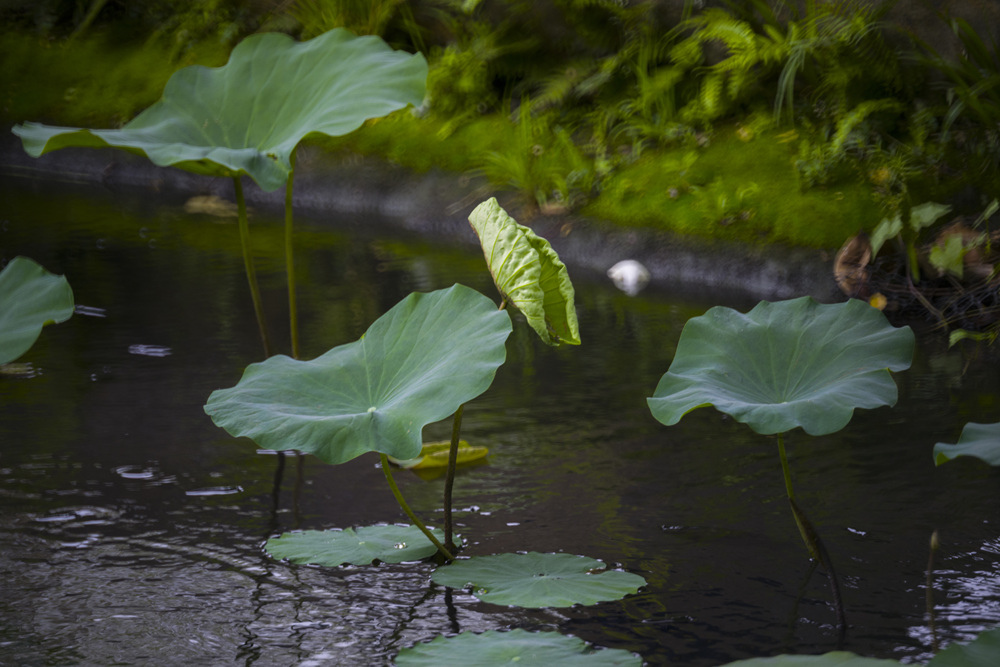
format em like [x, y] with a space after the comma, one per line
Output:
[528, 273]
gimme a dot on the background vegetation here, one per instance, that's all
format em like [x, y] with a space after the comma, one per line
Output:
[760, 121]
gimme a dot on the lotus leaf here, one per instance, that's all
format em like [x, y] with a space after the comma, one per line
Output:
[30, 298]
[984, 650]
[979, 440]
[389, 544]
[528, 273]
[785, 364]
[526, 649]
[435, 455]
[419, 362]
[832, 659]
[248, 116]
[538, 580]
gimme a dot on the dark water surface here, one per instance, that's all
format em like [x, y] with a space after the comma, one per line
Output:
[131, 527]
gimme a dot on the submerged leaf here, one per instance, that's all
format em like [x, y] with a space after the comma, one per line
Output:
[528, 273]
[248, 116]
[538, 580]
[30, 298]
[785, 364]
[520, 647]
[435, 455]
[389, 544]
[416, 364]
[979, 440]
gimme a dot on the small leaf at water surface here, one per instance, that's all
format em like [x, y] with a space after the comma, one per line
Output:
[516, 647]
[389, 544]
[415, 365]
[832, 659]
[435, 455]
[248, 116]
[983, 651]
[979, 440]
[528, 273]
[30, 298]
[538, 580]
[785, 364]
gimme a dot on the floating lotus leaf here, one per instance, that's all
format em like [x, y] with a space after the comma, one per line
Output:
[30, 298]
[389, 544]
[248, 116]
[435, 455]
[785, 364]
[979, 440]
[538, 580]
[528, 273]
[416, 364]
[984, 650]
[832, 659]
[525, 649]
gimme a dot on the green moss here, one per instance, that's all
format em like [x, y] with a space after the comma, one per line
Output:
[747, 191]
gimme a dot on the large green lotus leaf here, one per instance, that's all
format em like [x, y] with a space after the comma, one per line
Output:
[979, 440]
[30, 298]
[785, 364]
[832, 659]
[249, 115]
[416, 364]
[520, 647]
[528, 273]
[984, 651]
[538, 580]
[389, 544]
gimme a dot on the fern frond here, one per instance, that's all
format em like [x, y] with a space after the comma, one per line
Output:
[850, 122]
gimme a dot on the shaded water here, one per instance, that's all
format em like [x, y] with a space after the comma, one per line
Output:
[131, 527]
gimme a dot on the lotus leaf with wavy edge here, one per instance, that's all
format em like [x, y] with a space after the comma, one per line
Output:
[530, 649]
[30, 298]
[979, 440]
[538, 580]
[419, 362]
[785, 364]
[387, 543]
[248, 116]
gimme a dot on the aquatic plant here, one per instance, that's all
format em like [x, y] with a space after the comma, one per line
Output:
[785, 365]
[981, 441]
[418, 363]
[248, 117]
[30, 298]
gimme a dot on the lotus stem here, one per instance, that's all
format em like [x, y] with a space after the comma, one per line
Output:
[935, 543]
[784, 467]
[819, 553]
[293, 309]
[449, 481]
[248, 265]
[409, 512]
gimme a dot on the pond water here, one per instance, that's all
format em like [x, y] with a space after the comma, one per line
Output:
[132, 527]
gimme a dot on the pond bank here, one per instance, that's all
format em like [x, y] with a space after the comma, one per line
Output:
[436, 205]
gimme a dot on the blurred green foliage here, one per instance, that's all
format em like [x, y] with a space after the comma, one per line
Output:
[759, 121]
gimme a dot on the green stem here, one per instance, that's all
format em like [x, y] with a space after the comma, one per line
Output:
[248, 265]
[449, 481]
[293, 309]
[930, 591]
[784, 467]
[406, 508]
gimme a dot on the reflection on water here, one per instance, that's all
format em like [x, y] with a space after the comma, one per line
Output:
[132, 526]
